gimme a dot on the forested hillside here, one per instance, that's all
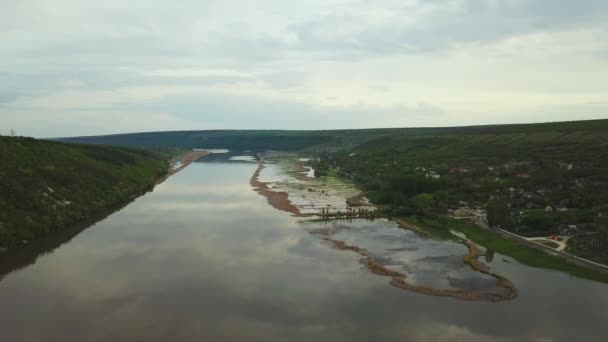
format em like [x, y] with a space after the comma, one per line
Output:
[46, 186]
[243, 140]
[534, 180]
[230, 139]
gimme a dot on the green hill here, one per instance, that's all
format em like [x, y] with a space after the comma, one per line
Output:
[46, 186]
[517, 137]
[514, 172]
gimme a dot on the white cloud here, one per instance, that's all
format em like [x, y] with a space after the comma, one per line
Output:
[221, 64]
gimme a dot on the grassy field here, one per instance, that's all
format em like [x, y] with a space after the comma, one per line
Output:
[47, 186]
[550, 244]
[439, 227]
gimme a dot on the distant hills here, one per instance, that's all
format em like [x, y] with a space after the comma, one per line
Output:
[333, 140]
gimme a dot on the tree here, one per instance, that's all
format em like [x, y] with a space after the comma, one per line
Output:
[498, 213]
[441, 198]
[422, 203]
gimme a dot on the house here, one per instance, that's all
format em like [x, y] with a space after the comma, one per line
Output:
[568, 230]
[432, 174]
[529, 195]
[549, 209]
[458, 169]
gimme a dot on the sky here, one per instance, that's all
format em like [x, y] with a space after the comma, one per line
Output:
[78, 67]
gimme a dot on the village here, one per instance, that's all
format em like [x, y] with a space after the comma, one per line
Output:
[516, 198]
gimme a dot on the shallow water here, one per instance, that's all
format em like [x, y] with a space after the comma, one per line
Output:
[204, 257]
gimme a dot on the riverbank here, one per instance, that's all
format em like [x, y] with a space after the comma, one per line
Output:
[49, 186]
[399, 279]
[184, 161]
[440, 227]
[277, 199]
[327, 198]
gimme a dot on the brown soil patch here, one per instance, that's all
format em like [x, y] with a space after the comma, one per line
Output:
[277, 199]
[356, 201]
[299, 173]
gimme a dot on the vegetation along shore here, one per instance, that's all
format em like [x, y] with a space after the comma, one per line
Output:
[47, 186]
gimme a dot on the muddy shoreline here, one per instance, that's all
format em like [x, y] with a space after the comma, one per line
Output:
[399, 280]
[280, 200]
[186, 160]
[277, 199]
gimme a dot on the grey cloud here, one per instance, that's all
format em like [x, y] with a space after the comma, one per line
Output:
[441, 24]
[286, 48]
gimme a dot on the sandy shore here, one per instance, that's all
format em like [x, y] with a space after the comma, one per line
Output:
[185, 161]
[277, 199]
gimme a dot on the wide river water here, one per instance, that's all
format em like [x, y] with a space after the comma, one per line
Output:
[205, 258]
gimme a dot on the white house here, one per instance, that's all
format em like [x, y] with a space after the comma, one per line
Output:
[432, 174]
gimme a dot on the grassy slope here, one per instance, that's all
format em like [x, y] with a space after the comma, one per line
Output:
[576, 142]
[241, 140]
[434, 143]
[46, 186]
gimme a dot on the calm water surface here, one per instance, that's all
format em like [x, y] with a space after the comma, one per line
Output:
[205, 258]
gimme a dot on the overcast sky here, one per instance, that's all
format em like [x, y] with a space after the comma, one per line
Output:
[76, 67]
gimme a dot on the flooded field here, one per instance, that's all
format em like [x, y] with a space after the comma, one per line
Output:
[414, 262]
[205, 257]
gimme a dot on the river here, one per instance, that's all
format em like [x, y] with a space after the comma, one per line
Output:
[204, 257]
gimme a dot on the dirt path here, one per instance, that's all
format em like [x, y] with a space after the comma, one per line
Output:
[561, 245]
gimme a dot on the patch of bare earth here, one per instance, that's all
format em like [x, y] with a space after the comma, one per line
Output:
[277, 199]
[299, 172]
[356, 201]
